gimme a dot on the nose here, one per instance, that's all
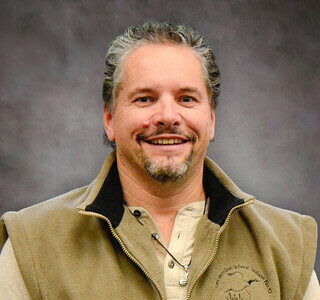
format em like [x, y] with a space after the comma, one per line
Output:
[167, 112]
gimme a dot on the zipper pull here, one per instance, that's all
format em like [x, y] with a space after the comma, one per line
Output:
[184, 282]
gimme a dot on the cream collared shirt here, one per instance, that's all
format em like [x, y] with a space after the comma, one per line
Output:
[180, 246]
[12, 286]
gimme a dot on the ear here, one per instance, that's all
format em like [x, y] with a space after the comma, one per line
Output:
[213, 123]
[108, 124]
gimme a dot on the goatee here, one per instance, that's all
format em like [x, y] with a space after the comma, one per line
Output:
[171, 171]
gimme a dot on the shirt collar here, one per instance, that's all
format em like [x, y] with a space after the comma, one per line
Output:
[108, 197]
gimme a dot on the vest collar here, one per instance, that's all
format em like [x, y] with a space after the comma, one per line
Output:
[107, 197]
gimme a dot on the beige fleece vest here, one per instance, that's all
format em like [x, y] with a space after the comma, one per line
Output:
[65, 252]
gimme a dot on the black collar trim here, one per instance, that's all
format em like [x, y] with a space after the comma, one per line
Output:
[221, 200]
[109, 201]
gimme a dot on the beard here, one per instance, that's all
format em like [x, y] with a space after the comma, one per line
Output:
[170, 171]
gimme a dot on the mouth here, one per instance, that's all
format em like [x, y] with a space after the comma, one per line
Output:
[166, 141]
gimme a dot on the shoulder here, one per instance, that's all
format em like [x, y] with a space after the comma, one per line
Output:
[68, 200]
[281, 225]
[288, 237]
[286, 240]
[40, 217]
[56, 213]
[281, 232]
[280, 220]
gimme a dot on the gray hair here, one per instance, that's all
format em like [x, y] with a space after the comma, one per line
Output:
[152, 33]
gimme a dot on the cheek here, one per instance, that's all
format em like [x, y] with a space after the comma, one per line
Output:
[129, 125]
[200, 122]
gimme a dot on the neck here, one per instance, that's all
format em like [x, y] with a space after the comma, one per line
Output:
[161, 200]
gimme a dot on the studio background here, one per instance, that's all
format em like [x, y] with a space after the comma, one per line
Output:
[52, 63]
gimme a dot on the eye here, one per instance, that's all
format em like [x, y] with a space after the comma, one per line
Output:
[143, 101]
[187, 100]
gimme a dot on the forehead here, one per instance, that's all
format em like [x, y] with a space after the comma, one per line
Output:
[168, 65]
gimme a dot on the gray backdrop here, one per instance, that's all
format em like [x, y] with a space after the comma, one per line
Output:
[52, 60]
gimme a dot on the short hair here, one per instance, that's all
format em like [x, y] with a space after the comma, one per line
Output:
[153, 33]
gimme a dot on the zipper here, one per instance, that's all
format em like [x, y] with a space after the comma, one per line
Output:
[87, 213]
[216, 244]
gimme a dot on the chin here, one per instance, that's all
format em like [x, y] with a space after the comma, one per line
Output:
[169, 171]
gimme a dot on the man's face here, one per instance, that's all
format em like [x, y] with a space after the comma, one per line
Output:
[162, 122]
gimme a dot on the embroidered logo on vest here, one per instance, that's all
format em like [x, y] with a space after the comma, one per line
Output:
[242, 282]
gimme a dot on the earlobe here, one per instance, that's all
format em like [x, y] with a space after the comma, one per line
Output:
[108, 124]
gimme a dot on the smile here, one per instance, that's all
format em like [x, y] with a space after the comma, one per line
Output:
[165, 141]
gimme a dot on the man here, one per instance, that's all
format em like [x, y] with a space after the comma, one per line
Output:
[160, 221]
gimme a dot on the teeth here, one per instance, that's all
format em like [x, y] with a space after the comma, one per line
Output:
[166, 141]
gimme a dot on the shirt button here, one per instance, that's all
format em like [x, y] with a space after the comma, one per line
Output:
[171, 264]
[137, 213]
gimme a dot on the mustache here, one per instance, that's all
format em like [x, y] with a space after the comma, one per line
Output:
[162, 130]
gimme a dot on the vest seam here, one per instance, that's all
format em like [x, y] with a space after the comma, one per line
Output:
[32, 256]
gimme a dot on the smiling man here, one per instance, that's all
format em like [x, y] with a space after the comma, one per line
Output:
[161, 220]
[162, 114]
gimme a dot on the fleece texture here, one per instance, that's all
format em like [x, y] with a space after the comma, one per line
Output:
[86, 244]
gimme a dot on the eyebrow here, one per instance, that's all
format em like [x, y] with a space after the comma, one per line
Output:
[140, 91]
[150, 90]
[190, 90]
